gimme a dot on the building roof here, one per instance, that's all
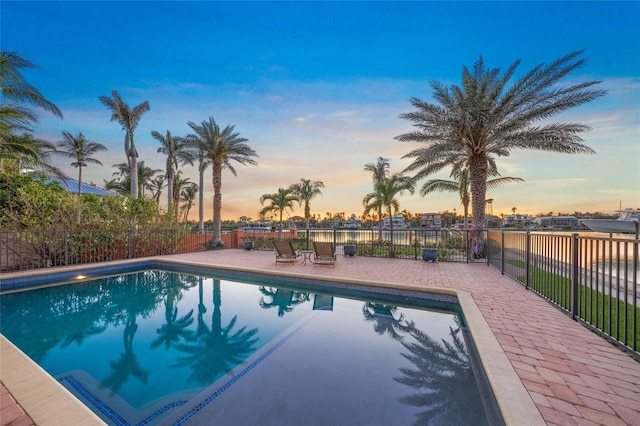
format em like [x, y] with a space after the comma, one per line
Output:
[71, 185]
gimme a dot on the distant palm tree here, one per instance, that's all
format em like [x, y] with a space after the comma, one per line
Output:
[188, 193]
[220, 147]
[198, 153]
[461, 184]
[145, 175]
[514, 210]
[380, 172]
[128, 119]
[385, 195]
[279, 203]
[156, 186]
[80, 150]
[306, 190]
[177, 151]
[483, 118]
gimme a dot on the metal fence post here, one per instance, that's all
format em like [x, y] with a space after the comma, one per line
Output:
[66, 248]
[502, 251]
[575, 276]
[527, 259]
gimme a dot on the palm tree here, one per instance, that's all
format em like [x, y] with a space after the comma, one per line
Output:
[220, 147]
[80, 150]
[177, 152]
[188, 193]
[384, 197]
[280, 202]
[16, 92]
[129, 119]
[460, 184]
[379, 172]
[306, 190]
[17, 147]
[198, 153]
[483, 118]
[156, 186]
[145, 175]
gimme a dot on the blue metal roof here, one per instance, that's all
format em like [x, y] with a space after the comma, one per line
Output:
[71, 185]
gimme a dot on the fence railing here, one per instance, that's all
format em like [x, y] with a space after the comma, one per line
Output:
[593, 279]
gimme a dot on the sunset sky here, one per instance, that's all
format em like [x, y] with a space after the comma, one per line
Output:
[317, 88]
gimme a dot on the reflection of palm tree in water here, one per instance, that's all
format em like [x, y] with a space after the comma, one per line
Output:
[444, 380]
[127, 365]
[216, 350]
[174, 329]
[384, 320]
[284, 300]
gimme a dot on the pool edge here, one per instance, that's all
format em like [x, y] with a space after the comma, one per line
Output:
[516, 405]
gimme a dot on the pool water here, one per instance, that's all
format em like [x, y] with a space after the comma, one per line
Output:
[160, 347]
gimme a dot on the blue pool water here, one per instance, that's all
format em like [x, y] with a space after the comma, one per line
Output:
[156, 346]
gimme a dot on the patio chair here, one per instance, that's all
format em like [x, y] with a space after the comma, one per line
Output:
[285, 252]
[325, 253]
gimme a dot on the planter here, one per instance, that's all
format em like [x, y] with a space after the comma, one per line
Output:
[248, 245]
[430, 254]
[349, 250]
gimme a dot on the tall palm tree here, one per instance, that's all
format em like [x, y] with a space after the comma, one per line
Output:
[145, 175]
[380, 172]
[385, 195]
[177, 151]
[306, 190]
[461, 184]
[128, 119]
[80, 150]
[279, 203]
[483, 118]
[221, 147]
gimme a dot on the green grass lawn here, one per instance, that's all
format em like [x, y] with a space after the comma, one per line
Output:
[614, 317]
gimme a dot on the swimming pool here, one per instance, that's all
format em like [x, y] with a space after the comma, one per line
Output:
[187, 348]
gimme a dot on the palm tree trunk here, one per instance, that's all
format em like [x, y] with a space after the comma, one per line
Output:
[133, 155]
[201, 203]
[217, 203]
[79, 180]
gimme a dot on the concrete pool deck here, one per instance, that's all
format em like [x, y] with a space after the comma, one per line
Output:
[564, 374]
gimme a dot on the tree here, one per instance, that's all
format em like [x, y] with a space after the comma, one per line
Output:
[188, 191]
[279, 203]
[483, 118]
[129, 119]
[460, 184]
[145, 175]
[16, 92]
[18, 149]
[385, 196]
[379, 172]
[306, 190]
[220, 147]
[198, 153]
[177, 151]
[156, 186]
[80, 150]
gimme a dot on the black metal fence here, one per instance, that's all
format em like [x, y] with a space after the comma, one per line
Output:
[593, 279]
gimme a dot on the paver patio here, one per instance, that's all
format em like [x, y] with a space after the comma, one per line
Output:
[573, 376]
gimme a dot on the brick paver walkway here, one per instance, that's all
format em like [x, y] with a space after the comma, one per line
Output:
[573, 376]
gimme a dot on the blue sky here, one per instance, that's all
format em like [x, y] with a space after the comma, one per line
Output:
[317, 88]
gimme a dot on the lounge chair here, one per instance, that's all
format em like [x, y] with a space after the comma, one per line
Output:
[285, 252]
[325, 253]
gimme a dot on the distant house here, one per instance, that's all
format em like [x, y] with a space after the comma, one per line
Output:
[431, 220]
[352, 223]
[398, 222]
[71, 185]
[516, 220]
[556, 222]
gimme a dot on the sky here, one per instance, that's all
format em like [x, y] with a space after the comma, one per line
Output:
[317, 88]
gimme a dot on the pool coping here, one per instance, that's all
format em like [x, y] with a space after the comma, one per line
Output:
[47, 402]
